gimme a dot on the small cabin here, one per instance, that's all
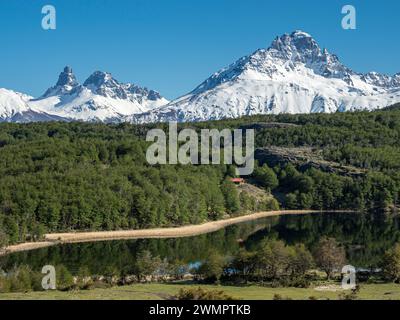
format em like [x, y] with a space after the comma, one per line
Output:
[237, 181]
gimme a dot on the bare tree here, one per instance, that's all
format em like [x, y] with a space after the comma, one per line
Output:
[329, 256]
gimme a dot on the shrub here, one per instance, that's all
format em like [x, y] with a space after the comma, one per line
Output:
[391, 264]
[5, 285]
[277, 296]
[21, 280]
[202, 294]
[65, 281]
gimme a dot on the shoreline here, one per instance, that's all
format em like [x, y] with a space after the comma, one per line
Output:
[52, 239]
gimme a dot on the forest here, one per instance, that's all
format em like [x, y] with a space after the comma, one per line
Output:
[90, 176]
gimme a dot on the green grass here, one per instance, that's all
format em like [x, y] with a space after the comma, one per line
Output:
[166, 291]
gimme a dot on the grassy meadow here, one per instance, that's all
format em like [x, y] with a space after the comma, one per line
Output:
[168, 291]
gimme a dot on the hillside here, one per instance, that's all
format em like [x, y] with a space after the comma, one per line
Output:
[58, 177]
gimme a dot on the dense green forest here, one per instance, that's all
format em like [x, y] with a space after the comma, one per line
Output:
[77, 176]
[369, 142]
[81, 176]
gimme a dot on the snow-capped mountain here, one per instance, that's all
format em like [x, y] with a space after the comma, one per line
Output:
[100, 98]
[12, 103]
[65, 84]
[14, 107]
[294, 75]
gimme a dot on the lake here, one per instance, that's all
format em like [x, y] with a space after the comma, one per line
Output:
[365, 238]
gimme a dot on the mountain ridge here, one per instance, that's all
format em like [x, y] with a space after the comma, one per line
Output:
[99, 98]
[293, 75]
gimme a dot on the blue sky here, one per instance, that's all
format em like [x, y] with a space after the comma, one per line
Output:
[173, 45]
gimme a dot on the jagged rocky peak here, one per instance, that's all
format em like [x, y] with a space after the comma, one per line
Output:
[296, 45]
[287, 51]
[301, 47]
[293, 75]
[144, 92]
[100, 78]
[66, 83]
[377, 79]
[382, 80]
[67, 78]
[396, 80]
[104, 84]
[100, 98]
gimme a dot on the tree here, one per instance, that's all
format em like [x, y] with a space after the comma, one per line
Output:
[266, 177]
[65, 281]
[84, 277]
[247, 202]
[288, 175]
[21, 280]
[232, 201]
[304, 184]
[3, 240]
[329, 256]
[244, 263]
[215, 202]
[38, 231]
[48, 212]
[112, 274]
[273, 259]
[301, 260]
[5, 285]
[178, 269]
[211, 269]
[305, 200]
[231, 171]
[291, 201]
[11, 228]
[145, 264]
[391, 264]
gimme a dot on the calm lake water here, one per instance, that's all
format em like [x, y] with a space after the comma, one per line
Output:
[364, 238]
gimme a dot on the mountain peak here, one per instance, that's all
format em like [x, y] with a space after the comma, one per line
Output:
[104, 84]
[296, 45]
[99, 78]
[65, 84]
[12, 103]
[67, 78]
[301, 47]
[293, 75]
[100, 98]
[300, 34]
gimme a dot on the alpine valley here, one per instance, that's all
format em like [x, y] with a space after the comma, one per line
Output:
[294, 75]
